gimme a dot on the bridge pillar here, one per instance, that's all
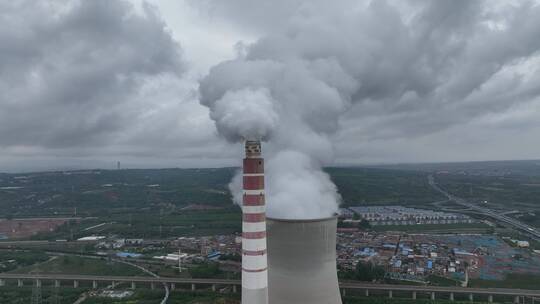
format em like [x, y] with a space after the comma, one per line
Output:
[94, 284]
[234, 288]
[173, 286]
[451, 296]
[152, 286]
[214, 287]
[2, 282]
[414, 295]
[38, 283]
[367, 292]
[133, 286]
[432, 295]
[343, 292]
[390, 294]
[490, 298]
[471, 297]
[516, 299]
[75, 284]
[19, 283]
[56, 283]
[193, 287]
[113, 284]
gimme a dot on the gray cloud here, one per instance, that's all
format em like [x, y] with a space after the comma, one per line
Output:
[82, 79]
[69, 70]
[386, 72]
[419, 67]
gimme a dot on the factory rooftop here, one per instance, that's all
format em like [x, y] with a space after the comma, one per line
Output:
[399, 215]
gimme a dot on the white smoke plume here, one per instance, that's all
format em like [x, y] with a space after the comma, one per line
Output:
[298, 103]
[245, 114]
[297, 188]
[411, 64]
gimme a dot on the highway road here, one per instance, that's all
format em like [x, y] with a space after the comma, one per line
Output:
[8, 243]
[210, 282]
[149, 279]
[533, 232]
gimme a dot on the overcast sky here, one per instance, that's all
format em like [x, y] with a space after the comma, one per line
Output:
[84, 84]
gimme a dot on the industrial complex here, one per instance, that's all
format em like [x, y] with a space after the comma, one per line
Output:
[441, 253]
[399, 215]
[299, 265]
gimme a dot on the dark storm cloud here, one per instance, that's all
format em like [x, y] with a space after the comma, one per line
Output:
[68, 70]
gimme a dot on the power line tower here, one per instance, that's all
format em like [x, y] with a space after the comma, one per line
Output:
[55, 299]
[179, 260]
[36, 293]
[160, 222]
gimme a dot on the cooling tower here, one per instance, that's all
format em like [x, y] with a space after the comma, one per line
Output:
[254, 261]
[302, 261]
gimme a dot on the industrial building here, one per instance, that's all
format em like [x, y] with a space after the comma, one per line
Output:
[302, 261]
[399, 215]
[298, 264]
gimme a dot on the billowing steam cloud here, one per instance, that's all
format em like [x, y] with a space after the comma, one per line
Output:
[298, 189]
[245, 114]
[298, 103]
[412, 64]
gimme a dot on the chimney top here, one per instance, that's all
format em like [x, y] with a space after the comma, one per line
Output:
[253, 148]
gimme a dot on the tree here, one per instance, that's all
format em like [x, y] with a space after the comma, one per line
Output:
[366, 271]
[364, 224]
[205, 270]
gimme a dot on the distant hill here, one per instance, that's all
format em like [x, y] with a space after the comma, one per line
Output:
[493, 168]
[94, 192]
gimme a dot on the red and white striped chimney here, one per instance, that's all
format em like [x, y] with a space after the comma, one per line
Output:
[254, 258]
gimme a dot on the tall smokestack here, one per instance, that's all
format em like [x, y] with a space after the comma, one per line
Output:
[254, 258]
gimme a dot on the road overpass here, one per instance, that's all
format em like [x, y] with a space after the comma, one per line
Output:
[435, 292]
[533, 232]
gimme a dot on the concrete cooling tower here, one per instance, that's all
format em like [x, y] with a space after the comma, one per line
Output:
[302, 261]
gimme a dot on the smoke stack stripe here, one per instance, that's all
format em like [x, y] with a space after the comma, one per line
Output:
[254, 254]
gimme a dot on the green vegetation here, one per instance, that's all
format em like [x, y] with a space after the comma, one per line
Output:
[533, 244]
[231, 257]
[79, 265]
[512, 280]
[23, 295]
[381, 300]
[154, 225]
[12, 259]
[442, 281]
[105, 192]
[175, 202]
[186, 223]
[360, 186]
[205, 270]
[204, 298]
[142, 296]
[99, 192]
[61, 247]
[364, 271]
[208, 270]
[520, 192]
